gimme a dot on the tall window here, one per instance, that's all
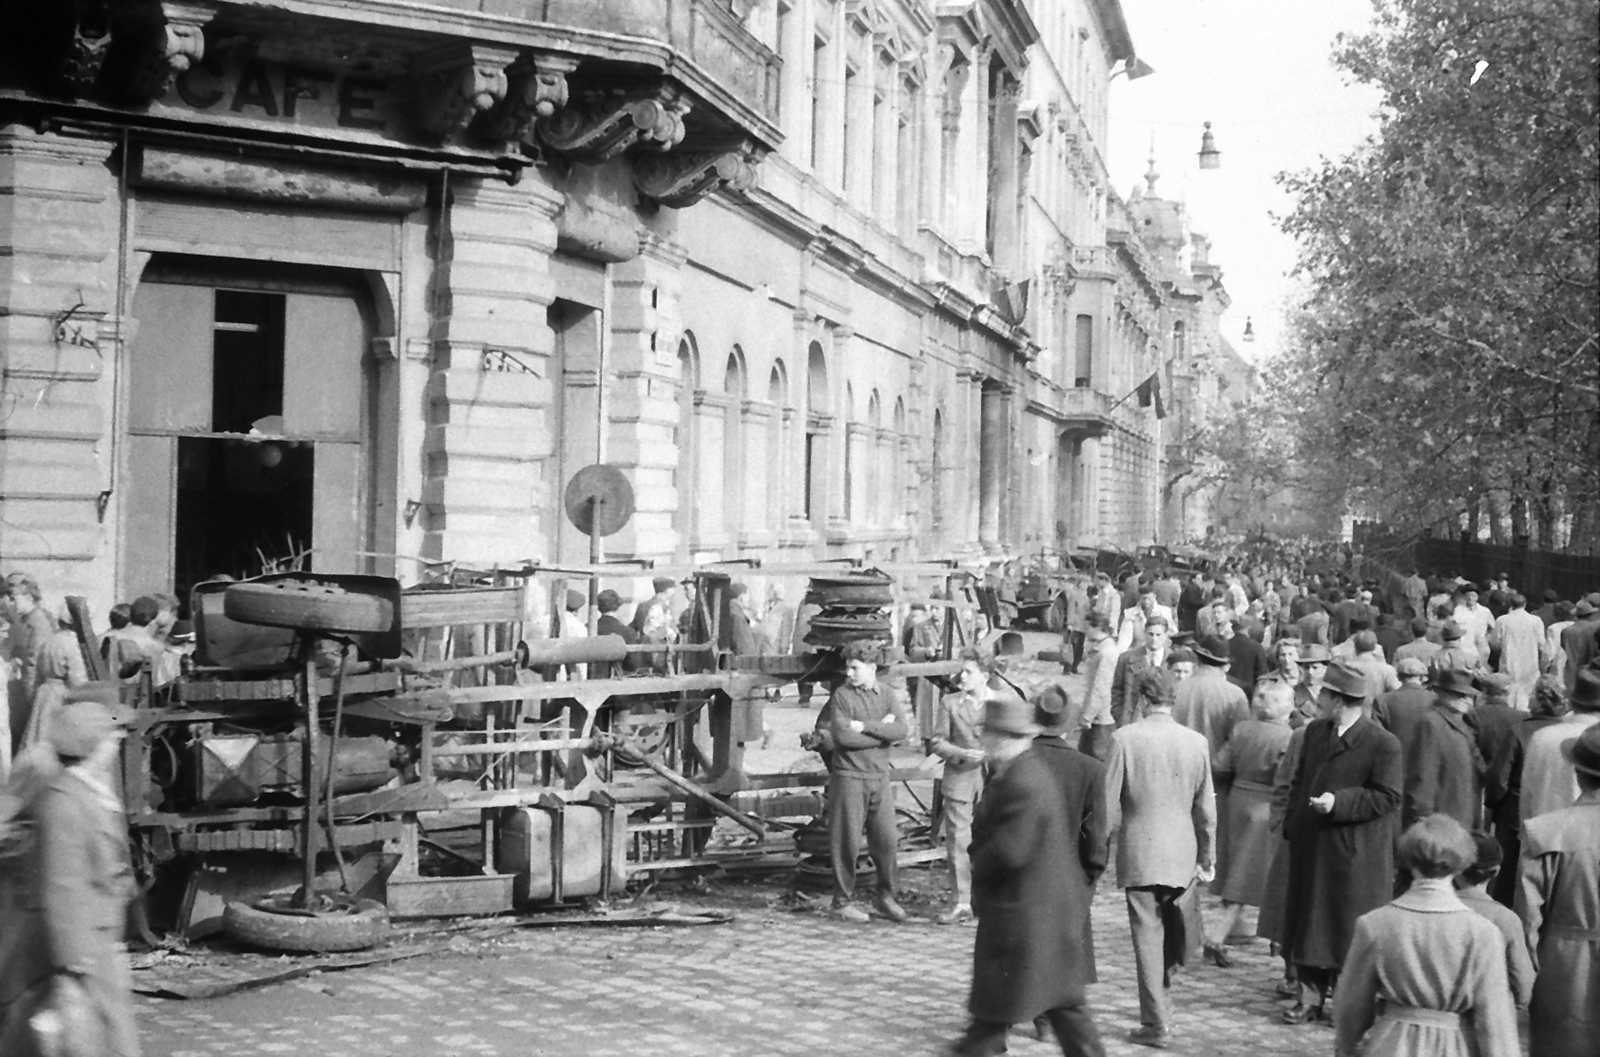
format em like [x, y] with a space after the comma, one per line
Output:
[1083, 352]
[910, 157]
[847, 144]
[687, 443]
[819, 70]
[733, 446]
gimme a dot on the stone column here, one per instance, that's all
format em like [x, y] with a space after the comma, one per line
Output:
[490, 392]
[992, 440]
[61, 351]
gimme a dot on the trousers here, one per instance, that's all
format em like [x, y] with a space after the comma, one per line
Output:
[857, 802]
[1161, 941]
[1073, 1026]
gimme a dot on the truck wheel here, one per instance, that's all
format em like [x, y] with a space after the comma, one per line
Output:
[273, 926]
[306, 604]
[1055, 617]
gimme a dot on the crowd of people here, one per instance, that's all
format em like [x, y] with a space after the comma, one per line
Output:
[1401, 775]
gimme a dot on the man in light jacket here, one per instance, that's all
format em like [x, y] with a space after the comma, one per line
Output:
[1160, 803]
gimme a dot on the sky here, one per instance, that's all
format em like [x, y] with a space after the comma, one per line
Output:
[1259, 71]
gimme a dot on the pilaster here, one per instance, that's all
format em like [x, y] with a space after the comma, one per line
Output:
[643, 393]
[59, 342]
[489, 397]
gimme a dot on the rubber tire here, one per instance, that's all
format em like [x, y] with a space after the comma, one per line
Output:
[306, 604]
[1055, 616]
[253, 926]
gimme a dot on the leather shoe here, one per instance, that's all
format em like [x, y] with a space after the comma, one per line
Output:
[961, 912]
[1303, 1014]
[1153, 1035]
[884, 903]
[851, 913]
[1219, 956]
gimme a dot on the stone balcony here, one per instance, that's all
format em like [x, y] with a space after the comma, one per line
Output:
[704, 34]
[1084, 410]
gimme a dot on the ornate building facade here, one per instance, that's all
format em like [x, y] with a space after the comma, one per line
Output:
[372, 280]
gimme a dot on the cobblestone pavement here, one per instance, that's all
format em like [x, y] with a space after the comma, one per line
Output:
[775, 982]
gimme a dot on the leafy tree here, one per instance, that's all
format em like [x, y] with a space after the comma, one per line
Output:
[1446, 350]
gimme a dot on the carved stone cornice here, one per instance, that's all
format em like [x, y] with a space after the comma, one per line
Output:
[601, 125]
[536, 89]
[171, 47]
[457, 83]
[681, 180]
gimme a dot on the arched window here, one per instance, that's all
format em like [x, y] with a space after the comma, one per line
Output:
[851, 465]
[937, 491]
[778, 432]
[814, 504]
[896, 452]
[687, 441]
[733, 385]
[872, 454]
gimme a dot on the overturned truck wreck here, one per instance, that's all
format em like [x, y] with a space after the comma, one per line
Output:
[342, 751]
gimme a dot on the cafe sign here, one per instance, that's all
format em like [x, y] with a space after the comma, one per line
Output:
[289, 96]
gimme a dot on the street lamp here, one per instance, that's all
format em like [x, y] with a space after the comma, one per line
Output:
[1210, 156]
[1134, 68]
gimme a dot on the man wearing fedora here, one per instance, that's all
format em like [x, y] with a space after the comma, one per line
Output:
[1442, 766]
[1455, 651]
[1580, 642]
[1547, 779]
[1344, 800]
[1160, 803]
[1207, 702]
[1560, 912]
[1033, 869]
[1313, 664]
[1493, 717]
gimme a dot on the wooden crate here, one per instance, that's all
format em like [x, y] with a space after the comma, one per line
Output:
[427, 897]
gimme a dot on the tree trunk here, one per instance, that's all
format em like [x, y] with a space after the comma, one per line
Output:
[1545, 516]
[1474, 516]
[1497, 518]
[1519, 520]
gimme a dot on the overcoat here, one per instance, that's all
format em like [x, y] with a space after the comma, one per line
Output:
[1444, 772]
[1560, 908]
[1032, 873]
[1426, 952]
[1247, 765]
[64, 894]
[1341, 865]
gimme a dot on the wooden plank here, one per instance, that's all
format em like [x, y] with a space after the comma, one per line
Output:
[439, 608]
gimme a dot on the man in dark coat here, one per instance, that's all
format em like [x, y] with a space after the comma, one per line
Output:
[1581, 640]
[1493, 717]
[1125, 700]
[1444, 772]
[1502, 782]
[1191, 599]
[1034, 863]
[1343, 805]
[1247, 661]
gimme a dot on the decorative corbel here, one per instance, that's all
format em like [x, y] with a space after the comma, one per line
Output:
[174, 45]
[681, 180]
[86, 51]
[456, 84]
[604, 124]
[537, 88]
